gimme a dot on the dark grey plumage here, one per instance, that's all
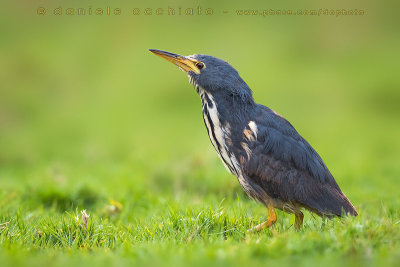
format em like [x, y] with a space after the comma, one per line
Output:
[289, 169]
[273, 163]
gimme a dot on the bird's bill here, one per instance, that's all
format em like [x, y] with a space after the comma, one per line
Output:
[184, 63]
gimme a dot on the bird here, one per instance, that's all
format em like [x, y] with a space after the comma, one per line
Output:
[273, 163]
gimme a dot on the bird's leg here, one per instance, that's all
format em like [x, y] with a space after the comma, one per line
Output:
[270, 221]
[298, 220]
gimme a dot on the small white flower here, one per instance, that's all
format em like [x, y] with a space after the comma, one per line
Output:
[77, 219]
[85, 218]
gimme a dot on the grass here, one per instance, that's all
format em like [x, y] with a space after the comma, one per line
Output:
[90, 120]
[160, 221]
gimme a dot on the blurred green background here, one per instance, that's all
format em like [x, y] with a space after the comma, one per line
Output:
[87, 114]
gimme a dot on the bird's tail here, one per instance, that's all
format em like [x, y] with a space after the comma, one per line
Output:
[332, 202]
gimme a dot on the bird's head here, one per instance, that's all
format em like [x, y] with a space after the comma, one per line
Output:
[210, 74]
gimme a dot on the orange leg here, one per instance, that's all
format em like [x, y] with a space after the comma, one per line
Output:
[298, 220]
[271, 220]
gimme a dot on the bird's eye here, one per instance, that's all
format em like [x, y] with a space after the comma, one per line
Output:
[199, 65]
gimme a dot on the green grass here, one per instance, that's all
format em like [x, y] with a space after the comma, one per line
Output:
[172, 218]
[89, 119]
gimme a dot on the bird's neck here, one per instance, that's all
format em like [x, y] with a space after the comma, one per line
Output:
[231, 109]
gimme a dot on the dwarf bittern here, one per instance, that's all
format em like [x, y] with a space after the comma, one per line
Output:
[273, 163]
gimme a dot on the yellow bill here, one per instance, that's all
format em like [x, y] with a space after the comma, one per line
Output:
[184, 63]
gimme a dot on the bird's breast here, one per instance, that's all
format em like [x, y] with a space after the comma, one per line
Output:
[218, 132]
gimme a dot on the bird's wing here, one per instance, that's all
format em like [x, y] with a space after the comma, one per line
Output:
[286, 167]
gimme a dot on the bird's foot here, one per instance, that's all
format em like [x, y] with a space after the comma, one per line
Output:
[271, 220]
[260, 227]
